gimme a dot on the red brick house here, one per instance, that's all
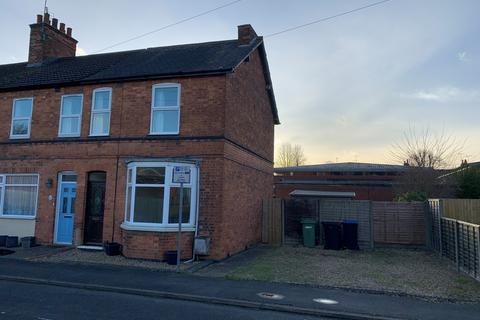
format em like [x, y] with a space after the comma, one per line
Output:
[88, 144]
[367, 181]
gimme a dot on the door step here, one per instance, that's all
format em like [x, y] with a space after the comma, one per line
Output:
[90, 248]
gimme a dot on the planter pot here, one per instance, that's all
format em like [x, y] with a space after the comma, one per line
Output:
[112, 248]
[3, 241]
[171, 257]
[12, 242]
[28, 242]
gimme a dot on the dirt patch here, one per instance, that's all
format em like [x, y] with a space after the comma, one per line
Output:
[414, 272]
[99, 257]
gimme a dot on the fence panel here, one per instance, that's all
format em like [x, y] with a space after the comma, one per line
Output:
[399, 223]
[435, 219]
[456, 240]
[467, 210]
[340, 210]
[273, 218]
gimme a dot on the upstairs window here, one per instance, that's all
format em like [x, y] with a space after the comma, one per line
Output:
[101, 110]
[21, 118]
[70, 116]
[165, 117]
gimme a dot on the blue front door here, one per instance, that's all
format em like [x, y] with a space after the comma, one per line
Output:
[66, 212]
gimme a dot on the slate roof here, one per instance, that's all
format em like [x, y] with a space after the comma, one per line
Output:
[345, 167]
[179, 60]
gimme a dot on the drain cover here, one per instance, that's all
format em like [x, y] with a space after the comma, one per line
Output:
[269, 295]
[325, 301]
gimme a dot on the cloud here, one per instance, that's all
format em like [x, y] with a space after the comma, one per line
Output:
[445, 94]
[81, 51]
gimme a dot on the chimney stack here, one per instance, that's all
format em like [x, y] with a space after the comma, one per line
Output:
[47, 41]
[246, 34]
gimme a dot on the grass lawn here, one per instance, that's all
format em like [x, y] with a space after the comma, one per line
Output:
[414, 272]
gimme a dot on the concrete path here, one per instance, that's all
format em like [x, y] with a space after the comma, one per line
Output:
[297, 299]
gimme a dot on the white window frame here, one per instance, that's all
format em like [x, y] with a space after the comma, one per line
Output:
[79, 116]
[171, 108]
[3, 185]
[21, 136]
[129, 224]
[109, 111]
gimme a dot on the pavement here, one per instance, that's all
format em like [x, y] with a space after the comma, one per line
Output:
[297, 299]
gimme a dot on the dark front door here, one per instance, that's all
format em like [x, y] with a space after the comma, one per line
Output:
[95, 207]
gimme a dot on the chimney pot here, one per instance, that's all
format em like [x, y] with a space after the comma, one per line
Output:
[246, 34]
[39, 18]
[46, 18]
[48, 42]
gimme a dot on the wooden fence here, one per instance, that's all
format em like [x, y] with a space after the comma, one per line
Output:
[382, 223]
[273, 221]
[458, 241]
[401, 223]
[467, 210]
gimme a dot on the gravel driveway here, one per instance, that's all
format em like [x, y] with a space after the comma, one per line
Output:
[414, 272]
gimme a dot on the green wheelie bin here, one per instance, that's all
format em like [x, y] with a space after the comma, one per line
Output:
[308, 230]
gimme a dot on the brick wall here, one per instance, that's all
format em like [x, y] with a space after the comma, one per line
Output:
[233, 177]
[201, 112]
[248, 115]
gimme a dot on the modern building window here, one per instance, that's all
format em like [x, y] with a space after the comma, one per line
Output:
[153, 199]
[21, 118]
[18, 195]
[70, 116]
[165, 117]
[101, 110]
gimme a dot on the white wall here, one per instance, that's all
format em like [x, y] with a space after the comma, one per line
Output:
[17, 227]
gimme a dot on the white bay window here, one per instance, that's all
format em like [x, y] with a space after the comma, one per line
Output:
[18, 195]
[153, 200]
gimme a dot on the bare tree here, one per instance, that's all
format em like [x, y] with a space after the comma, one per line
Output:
[426, 149]
[289, 156]
[427, 155]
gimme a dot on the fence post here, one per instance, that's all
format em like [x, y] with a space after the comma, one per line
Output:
[372, 236]
[428, 226]
[282, 217]
[478, 253]
[440, 247]
[455, 232]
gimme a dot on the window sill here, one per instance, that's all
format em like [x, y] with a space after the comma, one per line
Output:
[17, 217]
[98, 135]
[164, 134]
[19, 137]
[132, 227]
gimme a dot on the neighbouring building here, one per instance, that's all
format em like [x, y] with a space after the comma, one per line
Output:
[88, 144]
[359, 181]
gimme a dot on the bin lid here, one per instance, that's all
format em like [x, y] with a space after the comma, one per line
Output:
[309, 220]
[350, 221]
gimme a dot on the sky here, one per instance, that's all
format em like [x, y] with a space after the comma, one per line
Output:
[347, 89]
